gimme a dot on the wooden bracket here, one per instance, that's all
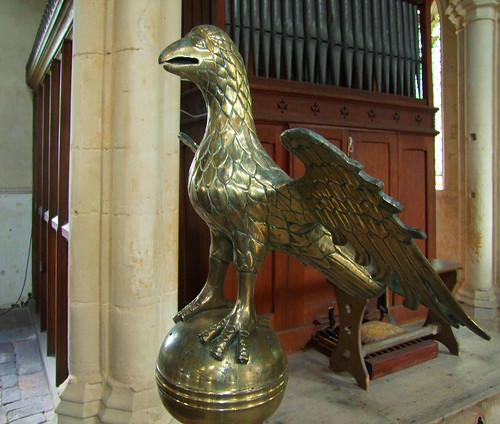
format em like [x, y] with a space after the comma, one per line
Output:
[348, 354]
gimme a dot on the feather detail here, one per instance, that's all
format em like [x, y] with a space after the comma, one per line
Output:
[369, 225]
[188, 141]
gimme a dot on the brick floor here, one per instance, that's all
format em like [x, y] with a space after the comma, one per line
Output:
[24, 394]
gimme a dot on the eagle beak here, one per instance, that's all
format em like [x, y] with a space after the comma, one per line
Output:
[178, 56]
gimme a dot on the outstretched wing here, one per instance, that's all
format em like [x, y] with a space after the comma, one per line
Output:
[352, 205]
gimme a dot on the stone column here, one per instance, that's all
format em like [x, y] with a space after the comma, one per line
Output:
[81, 393]
[124, 209]
[449, 200]
[479, 27]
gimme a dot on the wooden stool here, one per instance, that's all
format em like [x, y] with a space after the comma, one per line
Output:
[348, 354]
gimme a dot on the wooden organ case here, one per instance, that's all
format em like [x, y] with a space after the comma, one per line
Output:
[358, 73]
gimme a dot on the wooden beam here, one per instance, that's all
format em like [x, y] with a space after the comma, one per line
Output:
[56, 24]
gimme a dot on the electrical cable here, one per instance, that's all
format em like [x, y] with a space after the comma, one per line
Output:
[201, 115]
[15, 304]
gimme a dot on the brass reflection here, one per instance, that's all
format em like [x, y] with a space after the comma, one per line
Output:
[335, 218]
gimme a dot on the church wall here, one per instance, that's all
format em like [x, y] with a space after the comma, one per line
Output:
[19, 20]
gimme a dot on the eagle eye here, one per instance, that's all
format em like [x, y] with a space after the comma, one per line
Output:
[199, 42]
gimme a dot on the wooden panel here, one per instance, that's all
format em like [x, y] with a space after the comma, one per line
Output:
[197, 12]
[61, 348]
[377, 151]
[289, 306]
[194, 237]
[52, 205]
[315, 289]
[413, 193]
[44, 200]
[295, 102]
[51, 137]
[417, 191]
[400, 357]
[37, 180]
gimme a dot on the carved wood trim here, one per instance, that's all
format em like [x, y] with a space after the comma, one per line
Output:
[55, 26]
[339, 107]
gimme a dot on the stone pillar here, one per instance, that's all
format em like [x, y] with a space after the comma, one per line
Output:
[478, 123]
[123, 209]
[449, 227]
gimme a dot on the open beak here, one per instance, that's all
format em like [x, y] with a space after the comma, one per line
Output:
[178, 56]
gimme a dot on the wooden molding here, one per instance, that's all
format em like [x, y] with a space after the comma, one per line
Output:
[56, 25]
[277, 100]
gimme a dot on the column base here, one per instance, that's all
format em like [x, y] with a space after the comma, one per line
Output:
[79, 403]
[482, 304]
[122, 404]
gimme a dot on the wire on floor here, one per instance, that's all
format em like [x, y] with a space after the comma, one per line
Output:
[16, 303]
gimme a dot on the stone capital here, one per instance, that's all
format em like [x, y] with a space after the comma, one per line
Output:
[455, 17]
[473, 10]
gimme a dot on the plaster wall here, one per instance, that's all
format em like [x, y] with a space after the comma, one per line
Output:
[19, 20]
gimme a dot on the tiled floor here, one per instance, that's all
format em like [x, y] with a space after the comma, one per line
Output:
[24, 394]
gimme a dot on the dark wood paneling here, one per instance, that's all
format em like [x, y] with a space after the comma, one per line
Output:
[53, 188]
[51, 152]
[37, 196]
[194, 237]
[315, 289]
[44, 202]
[61, 348]
[417, 191]
[294, 102]
[377, 151]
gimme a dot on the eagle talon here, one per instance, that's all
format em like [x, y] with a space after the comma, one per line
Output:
[225, 339]
[233, 328]
[263, 322]
[202, 303]
[188, 311]
[243, 355]
[212, 332]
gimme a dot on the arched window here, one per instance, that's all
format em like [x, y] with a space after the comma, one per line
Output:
[436, 83]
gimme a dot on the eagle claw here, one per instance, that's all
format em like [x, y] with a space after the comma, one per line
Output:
[229, 330]
[199, 304]
[187, 311]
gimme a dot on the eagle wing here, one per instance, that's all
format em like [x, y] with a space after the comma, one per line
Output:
[353, 207]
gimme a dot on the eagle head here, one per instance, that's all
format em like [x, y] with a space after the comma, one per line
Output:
[205, 54]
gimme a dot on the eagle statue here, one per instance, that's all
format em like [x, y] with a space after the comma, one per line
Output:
[335, 218]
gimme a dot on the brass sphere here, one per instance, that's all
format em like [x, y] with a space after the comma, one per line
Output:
[196, 388]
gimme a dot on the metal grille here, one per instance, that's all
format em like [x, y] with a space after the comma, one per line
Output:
[366, 44]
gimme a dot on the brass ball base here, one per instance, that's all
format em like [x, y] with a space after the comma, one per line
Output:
[196, 388]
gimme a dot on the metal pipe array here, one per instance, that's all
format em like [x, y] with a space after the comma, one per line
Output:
[366, 44]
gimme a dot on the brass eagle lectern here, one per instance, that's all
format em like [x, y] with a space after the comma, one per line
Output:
[335, 218]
